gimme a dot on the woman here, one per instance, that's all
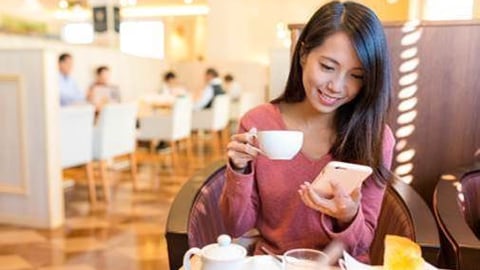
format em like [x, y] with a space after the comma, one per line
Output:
[338, 93]
[102, 91]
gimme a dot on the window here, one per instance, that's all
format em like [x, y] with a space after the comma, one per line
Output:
[144, 38]
[77, 33]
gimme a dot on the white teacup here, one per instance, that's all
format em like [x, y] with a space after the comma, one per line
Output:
[280, 144]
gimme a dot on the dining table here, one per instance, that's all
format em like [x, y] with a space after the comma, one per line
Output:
[257, 262]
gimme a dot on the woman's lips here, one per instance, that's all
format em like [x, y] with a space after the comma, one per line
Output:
[326, 99]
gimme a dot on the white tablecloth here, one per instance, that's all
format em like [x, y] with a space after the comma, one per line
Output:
[259, 262]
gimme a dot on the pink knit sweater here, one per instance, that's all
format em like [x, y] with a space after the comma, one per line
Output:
[267, 198]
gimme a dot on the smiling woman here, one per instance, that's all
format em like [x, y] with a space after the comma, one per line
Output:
[337, 94]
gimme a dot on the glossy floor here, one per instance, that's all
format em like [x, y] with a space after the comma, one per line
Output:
[126, 234]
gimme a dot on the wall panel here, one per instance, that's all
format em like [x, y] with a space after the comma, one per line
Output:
[13, 167]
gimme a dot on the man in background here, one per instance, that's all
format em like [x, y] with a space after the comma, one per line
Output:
[232, 87]
[69, 92]
[212, 89]
[171, 86]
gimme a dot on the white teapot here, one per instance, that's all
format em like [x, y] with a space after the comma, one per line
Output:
[219, 256]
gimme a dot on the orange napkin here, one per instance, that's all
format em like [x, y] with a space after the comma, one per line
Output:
[402, 253]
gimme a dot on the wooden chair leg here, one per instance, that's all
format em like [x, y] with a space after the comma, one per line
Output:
[216, 142]
[188, 145]
[133, 170]
[173, 153]
[199, 145]
[91, 184]
[105, 180]
[225, 137]
[152, 146]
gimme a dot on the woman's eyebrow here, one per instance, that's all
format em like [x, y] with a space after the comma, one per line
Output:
[331, 59]
[337, 63]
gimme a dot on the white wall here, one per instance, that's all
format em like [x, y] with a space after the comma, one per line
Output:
[245, 30]
[134, 75]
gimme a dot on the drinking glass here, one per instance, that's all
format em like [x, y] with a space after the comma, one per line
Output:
[305, 259]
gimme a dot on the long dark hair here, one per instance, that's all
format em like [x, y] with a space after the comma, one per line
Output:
[359, 124]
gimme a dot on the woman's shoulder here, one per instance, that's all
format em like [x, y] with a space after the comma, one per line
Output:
[263, 116]
[263, 109]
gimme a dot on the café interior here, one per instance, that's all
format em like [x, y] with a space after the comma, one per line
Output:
[135, 184]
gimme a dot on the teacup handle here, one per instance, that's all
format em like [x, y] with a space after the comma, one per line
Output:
[186, 257]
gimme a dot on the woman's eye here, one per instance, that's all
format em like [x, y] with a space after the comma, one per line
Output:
[326, 67]
[358, 77]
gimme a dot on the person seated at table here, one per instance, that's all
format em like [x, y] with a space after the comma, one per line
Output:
[171, 86]
[69, 92]
[213, 88]
[102, 91]
[232, 87]
[337, 93]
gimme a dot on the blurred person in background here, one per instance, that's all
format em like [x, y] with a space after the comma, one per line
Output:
[213, 88]
[69, 92]
[102, 91]
[232, 87]
[171, 86]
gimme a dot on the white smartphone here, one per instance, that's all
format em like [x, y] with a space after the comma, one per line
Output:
[348, 175]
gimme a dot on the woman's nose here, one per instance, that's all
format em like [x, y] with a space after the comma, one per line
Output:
[336, 85]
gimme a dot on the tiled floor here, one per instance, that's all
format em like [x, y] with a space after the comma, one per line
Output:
[126, 234]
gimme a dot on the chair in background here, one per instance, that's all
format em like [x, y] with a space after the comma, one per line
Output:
[114, 135]
[406, 214]
[76, 132]
[174, 127]
[194, 219]
[214, 120]
[241, 106]
[456, 202]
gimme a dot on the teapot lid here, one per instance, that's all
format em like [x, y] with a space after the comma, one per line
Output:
[224, 250]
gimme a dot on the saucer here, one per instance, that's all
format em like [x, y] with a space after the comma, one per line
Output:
[259, 262]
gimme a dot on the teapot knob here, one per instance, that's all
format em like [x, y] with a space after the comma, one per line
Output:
[224, 240]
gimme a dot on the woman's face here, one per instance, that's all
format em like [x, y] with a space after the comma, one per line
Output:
[104, 76]
[332, 73]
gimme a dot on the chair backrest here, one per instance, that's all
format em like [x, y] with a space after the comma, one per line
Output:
[114, 133]
[471, 200]
[405, 213]
[239, 107]
[454, 208]
[221, 112]
[194, 219]
[205, 223]
[182, 117]
[246, 102]
[76, 132]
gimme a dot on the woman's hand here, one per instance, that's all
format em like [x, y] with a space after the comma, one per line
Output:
[241, 149]
[342, 206]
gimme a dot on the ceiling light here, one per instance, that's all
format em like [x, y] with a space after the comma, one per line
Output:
[63, 4]
[165, 11]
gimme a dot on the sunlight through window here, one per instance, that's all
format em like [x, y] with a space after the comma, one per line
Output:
[142, 38]
[77, 33]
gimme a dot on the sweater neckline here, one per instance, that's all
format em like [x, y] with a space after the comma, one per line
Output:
[301, 154]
